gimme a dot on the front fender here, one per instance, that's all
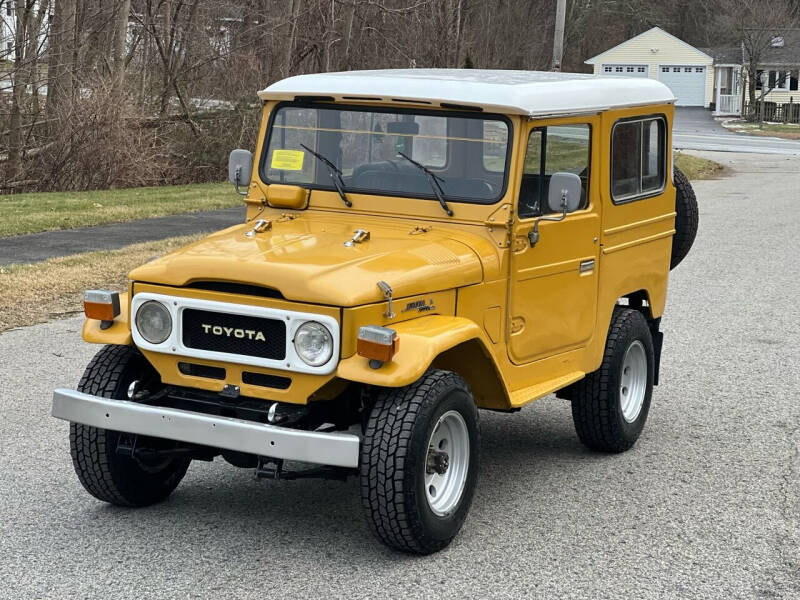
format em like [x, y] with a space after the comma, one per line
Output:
[421, 341]
[119, 333]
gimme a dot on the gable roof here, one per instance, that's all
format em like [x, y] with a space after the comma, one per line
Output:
[530, 93]
[595, 59]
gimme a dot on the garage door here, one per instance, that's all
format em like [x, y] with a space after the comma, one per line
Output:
[625, 70]
[687, 82]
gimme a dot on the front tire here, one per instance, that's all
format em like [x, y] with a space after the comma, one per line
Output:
[610, 405]
[103, 472]
[419, 462]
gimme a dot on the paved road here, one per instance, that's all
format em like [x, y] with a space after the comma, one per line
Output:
[704, 506]
[696, 129]
[41, 246]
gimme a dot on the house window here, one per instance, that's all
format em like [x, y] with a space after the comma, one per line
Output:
[618, 69]
[698, 69]
[780, 78]
[665, 69]
[607, 69]
[550, 150]
[629, 69]
[640, 69]
[638, 159]
[793, 79]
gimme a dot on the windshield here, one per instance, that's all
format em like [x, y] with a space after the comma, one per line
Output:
[468, 154]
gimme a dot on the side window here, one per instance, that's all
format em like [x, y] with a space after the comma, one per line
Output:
[550, 150]
[638, 161]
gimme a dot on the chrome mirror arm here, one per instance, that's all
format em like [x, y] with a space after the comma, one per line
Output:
[533, 234]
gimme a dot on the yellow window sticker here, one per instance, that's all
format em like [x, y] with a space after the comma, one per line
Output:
[287, 160]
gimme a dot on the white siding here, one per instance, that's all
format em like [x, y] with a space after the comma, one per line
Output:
[655, 48]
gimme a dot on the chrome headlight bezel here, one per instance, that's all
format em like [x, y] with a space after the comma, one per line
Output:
[153, 305]
[301, 336]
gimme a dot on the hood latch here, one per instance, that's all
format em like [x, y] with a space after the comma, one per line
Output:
[359, 236]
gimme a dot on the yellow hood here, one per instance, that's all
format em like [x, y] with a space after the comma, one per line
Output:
[306, 260]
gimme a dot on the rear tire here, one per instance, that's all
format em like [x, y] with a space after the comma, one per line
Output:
[103, 472]
[687, 218]
[610, 405]
[412, 434]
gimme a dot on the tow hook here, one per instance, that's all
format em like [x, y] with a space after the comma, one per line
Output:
[437, 462]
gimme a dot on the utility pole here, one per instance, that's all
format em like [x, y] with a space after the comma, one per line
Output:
[558, 35]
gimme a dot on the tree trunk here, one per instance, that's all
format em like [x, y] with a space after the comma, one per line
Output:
[120, 37]
[60, 72]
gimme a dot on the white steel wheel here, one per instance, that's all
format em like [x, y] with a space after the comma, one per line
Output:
[633, 381]
[447, 463]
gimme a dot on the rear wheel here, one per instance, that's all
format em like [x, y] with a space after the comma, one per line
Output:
[419, 462]
[105, 473]
[610, 405]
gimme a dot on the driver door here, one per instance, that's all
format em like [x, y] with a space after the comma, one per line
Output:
[553, 296]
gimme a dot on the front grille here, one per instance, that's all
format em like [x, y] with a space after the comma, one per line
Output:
[264, 380]
[201, 370]
[234, 334]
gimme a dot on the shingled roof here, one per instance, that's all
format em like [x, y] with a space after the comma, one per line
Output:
[787, 55]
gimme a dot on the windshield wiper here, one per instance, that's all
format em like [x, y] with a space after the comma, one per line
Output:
[434, 180]
[334, 172]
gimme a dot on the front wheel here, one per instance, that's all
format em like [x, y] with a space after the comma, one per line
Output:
[105, 473]
[419, 462]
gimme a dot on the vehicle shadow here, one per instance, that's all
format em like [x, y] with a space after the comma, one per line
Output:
[324, 518]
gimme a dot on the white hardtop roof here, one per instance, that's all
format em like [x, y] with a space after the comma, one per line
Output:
[530, 93]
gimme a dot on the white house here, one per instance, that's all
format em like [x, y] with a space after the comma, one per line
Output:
[656, 54]
[706, 77]
[7, 28]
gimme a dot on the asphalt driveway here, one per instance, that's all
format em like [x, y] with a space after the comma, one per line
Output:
[696, 129]
[35, 247]
[704, 506]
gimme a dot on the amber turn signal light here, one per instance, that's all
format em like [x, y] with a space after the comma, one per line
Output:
[101, 304]
[377, 343]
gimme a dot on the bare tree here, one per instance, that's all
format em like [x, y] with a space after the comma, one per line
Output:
[756, 25]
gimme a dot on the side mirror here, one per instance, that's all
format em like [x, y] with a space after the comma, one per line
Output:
[564, 193]
[240, 168]
[563, 196]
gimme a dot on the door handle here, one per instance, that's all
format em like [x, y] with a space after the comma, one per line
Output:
[586, 266]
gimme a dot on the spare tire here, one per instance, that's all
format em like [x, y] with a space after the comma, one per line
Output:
[686, 219]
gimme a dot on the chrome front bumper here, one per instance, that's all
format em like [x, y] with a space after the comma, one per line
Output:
[335, 449]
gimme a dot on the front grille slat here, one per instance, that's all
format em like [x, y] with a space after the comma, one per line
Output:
[234, 334]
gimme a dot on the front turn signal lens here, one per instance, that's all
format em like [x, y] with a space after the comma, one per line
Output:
[377, 343]
[101, 304]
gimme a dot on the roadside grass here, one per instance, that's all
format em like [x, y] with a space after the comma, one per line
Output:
[787, 131]
[39, 292]
[695, 167]
[34, 212]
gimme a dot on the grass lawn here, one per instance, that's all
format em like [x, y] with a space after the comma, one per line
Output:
[29, 213]
[786, 131]
[39, 292]
[695, 167]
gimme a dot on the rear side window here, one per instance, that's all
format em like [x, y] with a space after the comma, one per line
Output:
[638, 159]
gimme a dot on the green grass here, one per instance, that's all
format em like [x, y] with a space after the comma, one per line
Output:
[787, 131]
[695, 167]
[30, 213]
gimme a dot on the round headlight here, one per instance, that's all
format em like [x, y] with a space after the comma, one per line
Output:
[153, 322]
[313, 343]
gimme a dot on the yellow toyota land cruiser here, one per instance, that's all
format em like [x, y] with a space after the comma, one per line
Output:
[419, 244]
